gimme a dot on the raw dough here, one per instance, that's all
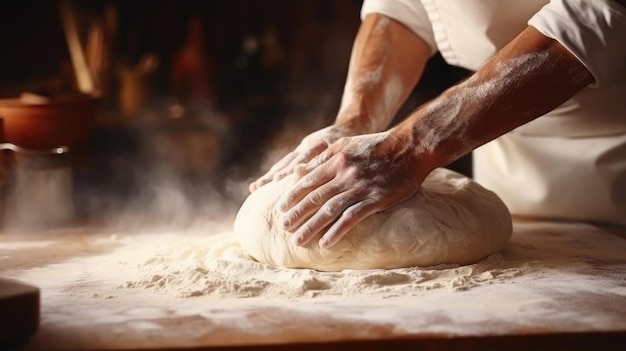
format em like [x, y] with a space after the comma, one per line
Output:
[451, 220]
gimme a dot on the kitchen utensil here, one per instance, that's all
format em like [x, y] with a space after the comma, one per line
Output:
[77, 55]
[33, 122]
[40, 152]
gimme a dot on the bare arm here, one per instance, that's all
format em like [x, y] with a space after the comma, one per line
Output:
[526, 79]
[359, 176]
[387, 61]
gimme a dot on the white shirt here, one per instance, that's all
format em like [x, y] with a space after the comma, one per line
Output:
[570, 163]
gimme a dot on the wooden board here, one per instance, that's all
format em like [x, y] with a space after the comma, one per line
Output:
[19, 311]
[572, 297]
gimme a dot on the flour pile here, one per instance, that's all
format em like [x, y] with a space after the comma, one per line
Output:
[161, 289]
[185, 264]
[217, 266]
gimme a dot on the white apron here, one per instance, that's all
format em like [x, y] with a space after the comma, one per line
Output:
[569, 164]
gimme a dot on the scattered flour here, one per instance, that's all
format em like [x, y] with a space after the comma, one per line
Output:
[217, 266]
[190, 288]
[191, 263]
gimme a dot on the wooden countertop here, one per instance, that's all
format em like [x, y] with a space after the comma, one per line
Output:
[575, 298]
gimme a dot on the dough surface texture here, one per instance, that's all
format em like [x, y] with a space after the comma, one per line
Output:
[450, 220]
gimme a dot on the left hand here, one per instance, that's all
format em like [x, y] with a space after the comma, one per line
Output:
[311, 146]
[351, 180]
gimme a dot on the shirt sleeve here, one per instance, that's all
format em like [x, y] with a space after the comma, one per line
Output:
[410, 13]
[592, 30]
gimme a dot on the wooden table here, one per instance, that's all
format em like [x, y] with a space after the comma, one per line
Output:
[575, 299]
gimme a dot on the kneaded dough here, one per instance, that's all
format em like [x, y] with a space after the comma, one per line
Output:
[451, 220]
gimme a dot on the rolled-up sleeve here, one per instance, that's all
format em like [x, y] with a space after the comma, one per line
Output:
[592, 30]
[410, 13]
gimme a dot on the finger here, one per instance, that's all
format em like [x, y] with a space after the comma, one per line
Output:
[289, 169]
[309, 205]
[283, 173]
[327, 213]
[269, 175]
[259, 183]
[255, 185]
[349, 218]
[281, 164]
[303, 187]
[302, 157]
[305, 168]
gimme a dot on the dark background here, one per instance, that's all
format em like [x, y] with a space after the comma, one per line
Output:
[271, 72]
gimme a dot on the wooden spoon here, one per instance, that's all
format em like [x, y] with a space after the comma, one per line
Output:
[79, 63]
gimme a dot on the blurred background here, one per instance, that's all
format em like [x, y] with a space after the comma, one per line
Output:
[194, 98]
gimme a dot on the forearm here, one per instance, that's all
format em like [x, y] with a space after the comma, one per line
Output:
[386, 62]
[526, 79]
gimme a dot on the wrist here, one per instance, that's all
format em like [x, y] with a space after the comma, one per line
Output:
[357, 121]
[413, 150]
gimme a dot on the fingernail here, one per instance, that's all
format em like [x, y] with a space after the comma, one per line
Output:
[324, 243]
[298, 239]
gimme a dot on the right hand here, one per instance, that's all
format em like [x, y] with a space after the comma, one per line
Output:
[310, 146]
[353, 179]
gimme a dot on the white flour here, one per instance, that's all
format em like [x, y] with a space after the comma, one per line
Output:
[197, 288]
[197, 263]
[216, 266]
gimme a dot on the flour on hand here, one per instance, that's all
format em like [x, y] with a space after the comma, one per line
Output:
[451, 220]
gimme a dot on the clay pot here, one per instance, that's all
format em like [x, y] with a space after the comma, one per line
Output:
[35, 122]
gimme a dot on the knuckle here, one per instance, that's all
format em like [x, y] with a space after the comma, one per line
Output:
[302, 158]
[356, 211]
[350, 212]
[307, 181]
[288, 200]
[329, 209]
[292, 197]
[293, 215]
[306, 231]
[316, 198]
[336, 205]
[321, 158]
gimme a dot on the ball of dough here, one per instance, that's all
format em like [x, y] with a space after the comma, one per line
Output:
[451, 220]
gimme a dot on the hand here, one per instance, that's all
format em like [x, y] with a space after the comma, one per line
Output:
[311, 146]
[351, 180]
